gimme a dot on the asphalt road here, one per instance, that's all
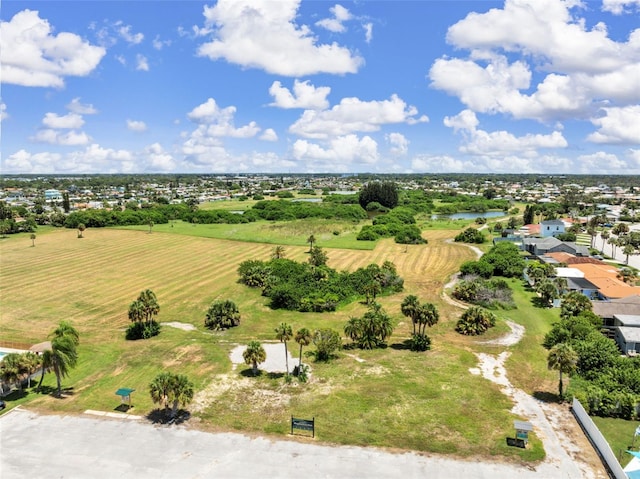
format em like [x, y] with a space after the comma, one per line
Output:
[47, 446]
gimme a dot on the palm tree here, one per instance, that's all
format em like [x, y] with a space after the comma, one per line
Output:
[409, 308]
[605, 236]
[150, 226]
[222, 315]
[149, 304]
[613, 241]
[591, 231]
[563, 359]
[254, 355]
[283, 334]
[627, 275]
[303, 337]
[63, 354]
[81, 228]
[547, 290]
[311, 240]
[628, 250]
[33, 239]
[561, 284]
[160, 389]
[63, 357]
[136, 311]
[278, 252]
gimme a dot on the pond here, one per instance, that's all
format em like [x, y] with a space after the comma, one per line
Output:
[469, 215]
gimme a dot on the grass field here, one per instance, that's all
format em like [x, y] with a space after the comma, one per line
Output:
[391, 397]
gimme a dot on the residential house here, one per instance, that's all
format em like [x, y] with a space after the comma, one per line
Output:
[541, 246]
[607, 310]
[605, 277]
[551, 228]
[627, 333]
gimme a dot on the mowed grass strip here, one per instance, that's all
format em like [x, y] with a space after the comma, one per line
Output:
[390, 397]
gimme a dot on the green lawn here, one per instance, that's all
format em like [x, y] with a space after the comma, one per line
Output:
[329, 234]
[619, 434]
[390, 397]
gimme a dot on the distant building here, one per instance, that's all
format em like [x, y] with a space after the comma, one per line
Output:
[551, 228]
[52, 195]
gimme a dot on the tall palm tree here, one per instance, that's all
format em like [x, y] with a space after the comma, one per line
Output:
[409, 308]
[563, 359]
[613, 241]
[150, 304]
[181, 392]
[628, 250]
[303, 337]
[33, 239]
[136, 311]
[81, 228]
[64, 356]
[160, 389]
[311, 240]
[283, 334]
[254, 355]
[278, 252]
[605, 236]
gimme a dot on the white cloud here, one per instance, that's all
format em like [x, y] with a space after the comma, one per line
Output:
[125, 33]
[440, 164]
[24, 162]
[348, 148]
[336, 23]
[135, 125]
[601, 161]
[157, 159]
[57, 137]
[546, 30]
[159, 44]
[617, 7]
[304, 95]
[121, 59]
[142, 63]
[586, 69]
[398, 142]
[269, 135]
[500, 143]
[3, 112]
[69, 121]
[368, 32]
[619, 125]
[82, 109]
[220, 121]
[353, 115]
[265, 35]
[32, 56]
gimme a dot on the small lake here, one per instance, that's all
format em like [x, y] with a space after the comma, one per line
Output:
[469, 215]
[308, 200]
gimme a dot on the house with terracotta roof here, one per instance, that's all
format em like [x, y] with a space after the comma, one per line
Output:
[605, 277]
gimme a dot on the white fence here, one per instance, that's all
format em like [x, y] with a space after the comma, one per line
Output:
[598, 440]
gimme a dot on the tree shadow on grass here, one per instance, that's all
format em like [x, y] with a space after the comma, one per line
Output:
[163, 416]
[248, 373]
[538, 302]
[546, 396]
[16, 395]
[403, 346]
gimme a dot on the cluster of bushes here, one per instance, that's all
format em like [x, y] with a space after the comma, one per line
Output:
[475, 321]
[493, 293]
[456, 203]
[399, 223]
[470, 235]
[289, 210]
[605, 382]
[503, 259]
[306, 287]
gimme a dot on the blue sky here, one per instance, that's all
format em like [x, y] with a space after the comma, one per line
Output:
[242, 86]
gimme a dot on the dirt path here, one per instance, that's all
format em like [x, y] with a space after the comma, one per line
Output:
[568, 453]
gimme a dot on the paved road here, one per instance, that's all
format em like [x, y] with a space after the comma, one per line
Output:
[39, 446]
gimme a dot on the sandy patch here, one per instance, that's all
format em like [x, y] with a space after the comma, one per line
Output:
[183, 326]
[275, 362]
[516, 334]
[550, 422]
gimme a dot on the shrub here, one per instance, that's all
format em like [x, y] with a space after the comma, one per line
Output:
[222, 315]
[142, 330]
[475, 321]
[470, 235]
